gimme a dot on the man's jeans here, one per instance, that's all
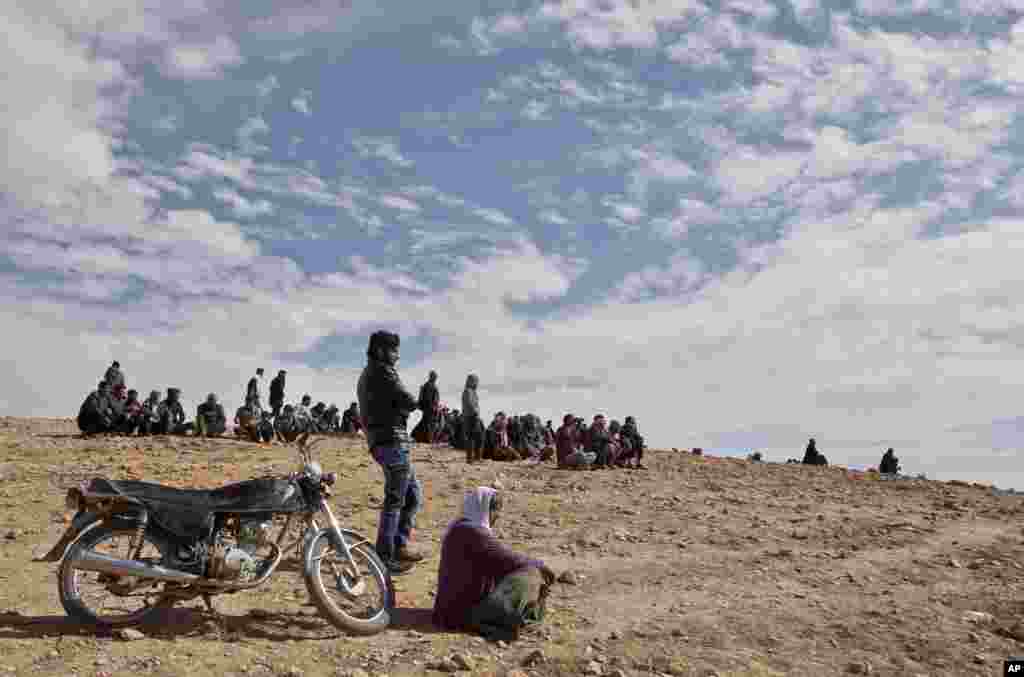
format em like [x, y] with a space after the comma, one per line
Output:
[402, 499]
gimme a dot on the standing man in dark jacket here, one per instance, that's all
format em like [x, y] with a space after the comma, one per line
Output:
[384, 406]
[428, 403]
[277, 393]
[252, 389]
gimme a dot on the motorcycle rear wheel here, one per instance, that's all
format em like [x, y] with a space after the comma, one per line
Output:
[78, 588]
[357, 602]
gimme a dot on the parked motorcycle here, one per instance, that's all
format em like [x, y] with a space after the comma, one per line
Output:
[135, 547]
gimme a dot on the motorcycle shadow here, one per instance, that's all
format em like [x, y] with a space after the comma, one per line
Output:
[178, 623]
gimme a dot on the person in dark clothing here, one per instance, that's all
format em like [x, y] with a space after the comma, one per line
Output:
[316, 416]
[252, 389]
[150, 414]
[95, 415]
[350, 422]
[632, 444]
[385, 405]
[287, 428]
[482, 585]
[265, 428]
[118, 399]
[114, 376]
[566, 441]
[812, 456]
[429, 402]
[331, 420]
[890, 465]
[210, 418]
[277, 392]
[131, 416]
[598, 442]
[515, 432]
[472, 424]
[172, 415]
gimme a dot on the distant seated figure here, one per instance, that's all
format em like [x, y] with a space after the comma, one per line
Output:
[131, 416]
[95, 414]
[246, 422]
[172, 415]
[330, 422]
[210, 418]
[118, 399]
[150, 414]
[265, 427]
[496, 442]
[350, 422]
[812, 456]
[632, 444]
[568, 445]
[287, 427]
[482, 585]
[316, 415]
[890, 465]
[755, 457]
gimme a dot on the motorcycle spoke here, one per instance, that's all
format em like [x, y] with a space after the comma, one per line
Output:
[356, 592]
[98, 592]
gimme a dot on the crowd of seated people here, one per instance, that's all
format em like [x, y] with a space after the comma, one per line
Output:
[114, 409]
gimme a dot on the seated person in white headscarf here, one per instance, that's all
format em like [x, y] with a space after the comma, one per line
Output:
[482, 585]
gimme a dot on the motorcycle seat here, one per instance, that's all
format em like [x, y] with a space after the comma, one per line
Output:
[189, 512]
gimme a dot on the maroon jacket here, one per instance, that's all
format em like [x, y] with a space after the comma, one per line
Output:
[565, 442]
[473, 561]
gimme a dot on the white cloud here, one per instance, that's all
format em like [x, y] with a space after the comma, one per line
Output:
[400, 203]
[267, 85]
[536, 110]
[386, 149]
[248, 131]
[301, 103]
[202, 61]
[603, 24]
[552, 216]
[241, 207]
[494, 216]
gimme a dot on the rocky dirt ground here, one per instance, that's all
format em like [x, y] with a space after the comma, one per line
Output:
[696, 566]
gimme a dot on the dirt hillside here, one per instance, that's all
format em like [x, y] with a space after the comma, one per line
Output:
[695, 566]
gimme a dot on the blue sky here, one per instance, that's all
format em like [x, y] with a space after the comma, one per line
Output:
[744, 222]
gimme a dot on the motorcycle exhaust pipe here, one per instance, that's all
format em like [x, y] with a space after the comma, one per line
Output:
[94, 561]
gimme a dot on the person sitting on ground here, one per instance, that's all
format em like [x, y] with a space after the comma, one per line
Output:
[95, 415]
[549, 435]
[287, 428]
[756, 457]
[496, 443]
[210, 418]
[636, 442]
[350, 422]
[114, 376]
[455, 433]
[812, 456]
[599, 442]
[482, 585]
[616, 444]
[246, 422]
[515, 430]
[303, 415]
[567, 444]
[330, 422]
[265, 427]
[172, 415]
[532, 439]
[316, 415]
[890, 465]
[131, 416]
[150, 414]
[118, 399]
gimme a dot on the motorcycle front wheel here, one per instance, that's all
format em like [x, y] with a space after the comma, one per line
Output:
[356, 599]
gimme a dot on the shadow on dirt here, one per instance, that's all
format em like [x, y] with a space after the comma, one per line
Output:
[179, 623]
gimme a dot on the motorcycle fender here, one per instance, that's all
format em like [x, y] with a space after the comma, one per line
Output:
[81, 523]
[84, 521]
[352, 539]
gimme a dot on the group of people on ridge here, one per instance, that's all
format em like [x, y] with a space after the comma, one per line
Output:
[113, 408]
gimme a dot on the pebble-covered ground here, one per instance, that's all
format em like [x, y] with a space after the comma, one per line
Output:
[696, 566]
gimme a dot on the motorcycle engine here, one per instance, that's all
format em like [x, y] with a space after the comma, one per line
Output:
[237, 561]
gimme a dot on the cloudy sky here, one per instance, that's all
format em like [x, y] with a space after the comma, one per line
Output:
[745, 222]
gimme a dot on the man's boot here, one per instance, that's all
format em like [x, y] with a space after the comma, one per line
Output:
[406, 553]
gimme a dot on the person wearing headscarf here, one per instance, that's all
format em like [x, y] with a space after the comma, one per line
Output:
[472, 425]
[350, 419]
[286, 427]
[172, 415]
[385, 405]
[482, 585]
